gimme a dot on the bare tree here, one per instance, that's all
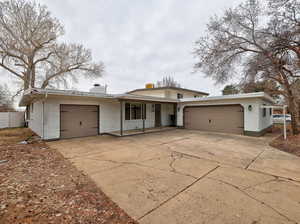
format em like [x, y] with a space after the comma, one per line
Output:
[230, 89]
[31, 51]
[167, 81]
[255, 42]
[268, 86]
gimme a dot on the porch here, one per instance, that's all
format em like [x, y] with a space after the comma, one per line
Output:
[141, 131]
[145, 115]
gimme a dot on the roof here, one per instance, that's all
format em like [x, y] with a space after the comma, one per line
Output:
[231, 97]
[173, 88]
[31, 94]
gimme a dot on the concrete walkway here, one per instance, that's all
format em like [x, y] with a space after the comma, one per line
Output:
[184, 176]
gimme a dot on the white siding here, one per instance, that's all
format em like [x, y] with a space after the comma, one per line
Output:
[35, 123]
[168, 93]
[109, 117]
[166, 112]
[253, 120]
[155, 93]
[186, 94]
[266, 121]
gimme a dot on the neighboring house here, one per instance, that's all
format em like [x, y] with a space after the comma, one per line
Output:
[55, 114]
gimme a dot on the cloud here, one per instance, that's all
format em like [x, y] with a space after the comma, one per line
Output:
[139, 41]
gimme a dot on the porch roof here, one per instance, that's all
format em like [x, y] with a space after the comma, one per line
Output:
[145, 98]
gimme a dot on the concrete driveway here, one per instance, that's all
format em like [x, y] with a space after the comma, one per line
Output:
[184, 176]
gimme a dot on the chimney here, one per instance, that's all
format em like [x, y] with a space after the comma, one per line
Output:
[98, 88]
[149, 86]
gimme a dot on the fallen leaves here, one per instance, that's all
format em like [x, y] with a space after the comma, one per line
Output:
[37, 185]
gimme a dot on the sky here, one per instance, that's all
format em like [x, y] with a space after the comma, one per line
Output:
[139, 41]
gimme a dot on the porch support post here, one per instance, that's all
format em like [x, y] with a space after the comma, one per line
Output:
[284, 122]
[121, 118]
[175, 114]
[143, 115]
[161, 108]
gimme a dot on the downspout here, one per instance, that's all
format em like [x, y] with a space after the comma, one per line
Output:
[121, 118]
[143, 115]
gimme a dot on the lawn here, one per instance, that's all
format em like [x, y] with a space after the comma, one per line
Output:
[37, 185]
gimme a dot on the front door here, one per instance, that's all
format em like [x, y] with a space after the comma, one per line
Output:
[157, 115]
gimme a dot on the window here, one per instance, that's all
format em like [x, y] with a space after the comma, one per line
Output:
[31, 107]
[195, 96]
[136, 111]
[179, 96]
[270, 111]
[133, 111]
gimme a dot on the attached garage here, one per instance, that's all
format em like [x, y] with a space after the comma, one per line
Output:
[220, 118]
[79, 120]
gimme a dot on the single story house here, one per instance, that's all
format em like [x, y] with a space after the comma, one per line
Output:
[57, 114]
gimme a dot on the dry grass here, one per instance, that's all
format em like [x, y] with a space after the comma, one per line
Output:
[291, 145]
[14, 135]
[38, 185]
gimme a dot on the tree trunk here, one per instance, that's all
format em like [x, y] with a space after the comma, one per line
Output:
[294, 115]
[44, 85]
[32, 80]
[292, 104]
[31, 72]
[26, 82]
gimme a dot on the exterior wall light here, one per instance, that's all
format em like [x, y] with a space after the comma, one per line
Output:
[250, 108]
[178, 109]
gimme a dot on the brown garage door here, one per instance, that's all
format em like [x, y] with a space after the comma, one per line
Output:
[229, 119]
[78, 121]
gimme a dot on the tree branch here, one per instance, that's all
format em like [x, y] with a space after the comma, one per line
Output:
[12, 71]
[44, 58]
[46, 81]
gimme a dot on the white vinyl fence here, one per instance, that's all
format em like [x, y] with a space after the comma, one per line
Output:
[11, 119]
